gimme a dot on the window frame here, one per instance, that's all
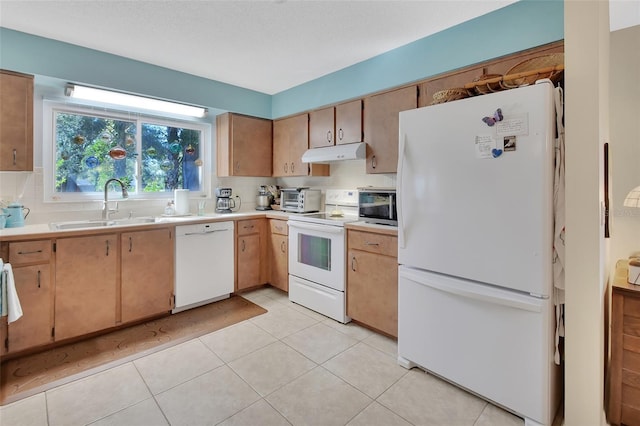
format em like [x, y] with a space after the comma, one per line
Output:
[52, 106]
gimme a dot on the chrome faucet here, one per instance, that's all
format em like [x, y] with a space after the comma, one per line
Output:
[105, 206]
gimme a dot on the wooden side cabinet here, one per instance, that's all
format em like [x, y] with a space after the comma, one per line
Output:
[372, 279]
[624, 366]
[243, 145]
[30, 262]
[16, 121]
[147, 273]
[279, 254]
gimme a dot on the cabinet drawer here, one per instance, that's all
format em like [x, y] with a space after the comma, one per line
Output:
[630, 415]
[373, 243]
[631, 360]
[279, 227]
[246, 227]
[632, 306]
[631, 326]
[21, 253]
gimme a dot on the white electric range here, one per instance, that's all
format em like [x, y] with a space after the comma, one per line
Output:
[317, 255]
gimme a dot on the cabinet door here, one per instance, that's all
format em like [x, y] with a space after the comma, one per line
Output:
[281, 148]
[321, 128]
[349, 122]
[279, 262]
[248, 261]
[16, 121]
[243, 145]
[33, 328]
[372, 290]
[147, 273]
[381, 127]
[86, 272]
[298, 144]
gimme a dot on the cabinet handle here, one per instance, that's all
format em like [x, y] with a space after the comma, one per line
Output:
[286, 167]
[30, 252]
[237, 166]
[107, 244]
[248, 227]
[130, 244]
[15, 154]
[291, 167]
[283, 247]
[329, 136]
[243, 245]
[367, 243]
[340, 134]
[353, 263]
[38, 278]
[373, 162]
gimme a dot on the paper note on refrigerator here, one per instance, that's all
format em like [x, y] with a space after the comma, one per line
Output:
[484, 145]
[513, 126]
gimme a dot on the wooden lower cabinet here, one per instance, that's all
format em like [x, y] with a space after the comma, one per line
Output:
[279, 255]
[31, 264]
[624, 367]
[86, 274]
[251, 253]
[147, 273]
[33, 284]
[372, 280]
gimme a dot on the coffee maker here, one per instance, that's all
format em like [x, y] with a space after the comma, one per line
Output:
[224, 202]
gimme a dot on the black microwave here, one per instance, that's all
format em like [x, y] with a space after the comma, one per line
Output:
[378, 205]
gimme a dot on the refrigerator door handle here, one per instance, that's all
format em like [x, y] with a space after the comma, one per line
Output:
[474, 291]
[399, 196]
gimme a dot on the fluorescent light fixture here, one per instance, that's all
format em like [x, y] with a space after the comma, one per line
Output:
[633, 198]
[119, 98]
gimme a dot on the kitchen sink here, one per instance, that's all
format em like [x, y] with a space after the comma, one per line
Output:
[80, 224]
[77, 224]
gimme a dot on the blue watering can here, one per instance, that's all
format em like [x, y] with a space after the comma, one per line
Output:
[14, 212]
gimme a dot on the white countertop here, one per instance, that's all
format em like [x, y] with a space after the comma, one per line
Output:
[44, 230]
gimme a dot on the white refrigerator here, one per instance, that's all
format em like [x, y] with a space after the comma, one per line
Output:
[475, 201]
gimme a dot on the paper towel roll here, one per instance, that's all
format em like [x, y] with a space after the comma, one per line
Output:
[181, 201]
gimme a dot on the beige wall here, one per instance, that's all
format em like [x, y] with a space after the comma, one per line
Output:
[586, 118]
[625, 140]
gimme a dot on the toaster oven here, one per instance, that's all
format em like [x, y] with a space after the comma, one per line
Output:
[300, 200]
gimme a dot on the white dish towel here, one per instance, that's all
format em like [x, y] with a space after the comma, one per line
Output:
[9, 296]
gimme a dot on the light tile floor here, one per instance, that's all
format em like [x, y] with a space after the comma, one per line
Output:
[290, 366]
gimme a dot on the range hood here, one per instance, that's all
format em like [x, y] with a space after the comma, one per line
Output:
[329, 154]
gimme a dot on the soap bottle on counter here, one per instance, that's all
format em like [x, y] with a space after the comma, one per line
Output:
[169, 210]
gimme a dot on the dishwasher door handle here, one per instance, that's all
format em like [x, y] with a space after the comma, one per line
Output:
[205, 232]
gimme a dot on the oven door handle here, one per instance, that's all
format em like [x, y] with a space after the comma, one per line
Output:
[312, 227]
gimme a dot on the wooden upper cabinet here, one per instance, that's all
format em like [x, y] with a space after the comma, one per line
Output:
[243, 145]
[322, 128]
[290, 141]
[16, 121]
[381, 119]
[499, 66]
[349, 122]
[336, 125]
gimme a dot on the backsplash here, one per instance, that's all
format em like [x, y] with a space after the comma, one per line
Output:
[27, 188]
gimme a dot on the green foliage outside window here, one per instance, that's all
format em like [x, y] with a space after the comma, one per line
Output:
[92, 149]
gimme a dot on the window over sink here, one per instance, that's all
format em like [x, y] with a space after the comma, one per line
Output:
[84, 146]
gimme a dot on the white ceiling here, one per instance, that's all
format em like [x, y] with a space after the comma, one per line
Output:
[268, 45]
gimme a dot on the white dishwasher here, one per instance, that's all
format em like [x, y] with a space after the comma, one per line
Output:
[204, 264]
